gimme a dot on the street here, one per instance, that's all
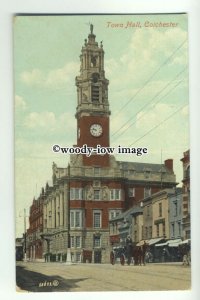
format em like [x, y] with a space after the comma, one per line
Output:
[55, 277]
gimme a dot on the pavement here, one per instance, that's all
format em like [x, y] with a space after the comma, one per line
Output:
[60, 277]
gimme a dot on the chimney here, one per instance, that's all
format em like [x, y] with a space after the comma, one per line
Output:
[169, 164]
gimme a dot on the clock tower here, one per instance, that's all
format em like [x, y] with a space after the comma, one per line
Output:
[92, 112]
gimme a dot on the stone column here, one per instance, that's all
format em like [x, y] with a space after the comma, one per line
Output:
[102, 61]
[57, 209]
[45, 216]
[53, 212]
[100, 93]
[61, 208]
[65, 206]
[48, 209]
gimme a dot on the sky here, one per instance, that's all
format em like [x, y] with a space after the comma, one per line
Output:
[147, 69]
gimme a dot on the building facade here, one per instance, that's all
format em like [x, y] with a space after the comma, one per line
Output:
[176, 214]
[156, 215]
[34, 244]
[127, 223]
[186, 194]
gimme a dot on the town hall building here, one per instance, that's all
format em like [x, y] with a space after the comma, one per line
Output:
[93, 189]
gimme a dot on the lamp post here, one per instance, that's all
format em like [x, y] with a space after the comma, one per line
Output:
[69, 258]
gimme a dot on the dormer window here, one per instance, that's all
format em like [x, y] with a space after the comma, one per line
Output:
[147, 192]
[132, 172]
[147, 172]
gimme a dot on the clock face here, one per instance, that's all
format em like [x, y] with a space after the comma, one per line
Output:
[96, 130]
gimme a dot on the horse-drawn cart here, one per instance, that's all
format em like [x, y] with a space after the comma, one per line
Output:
[121, 254]
[129, 253]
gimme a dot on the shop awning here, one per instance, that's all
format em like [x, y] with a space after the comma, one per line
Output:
[174, 243]
[141, 243]
[185, 242]
[170, 243]
[162, 244]
[154, 241]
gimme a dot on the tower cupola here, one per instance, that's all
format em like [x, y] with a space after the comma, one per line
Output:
[92, 86]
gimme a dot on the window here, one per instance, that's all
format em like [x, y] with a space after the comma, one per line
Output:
[135, 235]
[114, 214]
[112, 194]
[78, 242]
[115, 194]
[95, 93]
[146, 232]
[147, 192]
[148, 210]
[76, 218]
[96, 194]
[164, 229]
[150, 232]
[112, 228]
[75, 242]
[160, 209]
[179, 228]
[157, 230]
[72, 223]
[78, 257]
[97, 241]
[132, 172]
[147, 174]
[173, 232]
[131, 192]
[76, 194]
[187, 234]
[175, 208]
[72, 241]
[97, 219]
[97, 171]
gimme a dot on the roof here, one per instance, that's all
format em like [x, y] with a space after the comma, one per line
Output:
[137, 210]
[141, 167]
[127, 213]
[170, 191]
[122, 215]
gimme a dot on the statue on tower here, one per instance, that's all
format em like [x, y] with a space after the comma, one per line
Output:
[91, 28]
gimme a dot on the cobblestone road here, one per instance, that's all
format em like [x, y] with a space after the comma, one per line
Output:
[43, 277]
